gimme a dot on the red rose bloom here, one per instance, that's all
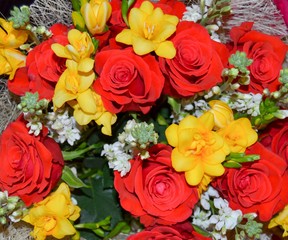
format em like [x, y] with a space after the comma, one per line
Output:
[275, 138]
[257, 187]
[43, 67]
[30, 166]
[127, 82]
[180, 231]
[267, 52]
[197, 65]
[153, 191]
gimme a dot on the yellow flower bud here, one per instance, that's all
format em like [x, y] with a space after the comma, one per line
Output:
[96, 13]
[223, 115]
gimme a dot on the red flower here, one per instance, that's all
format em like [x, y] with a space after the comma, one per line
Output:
[30, 166]
[127, 82]
[267, 52]
[180, 231]
[43, 67]
[257, 187]
[154, 192]
[275, 138]
[197, 65]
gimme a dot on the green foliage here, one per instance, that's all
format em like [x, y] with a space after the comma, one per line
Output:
[20, 16]
[269, 111]
[235, 160]
[97, 203]
[71, 179]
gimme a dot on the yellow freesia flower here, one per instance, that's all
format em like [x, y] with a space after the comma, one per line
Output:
[197, 149]
[281, 219]
[223, 114]
[10, 37]
[149, 29]
[239, 135]
[51, 216]
[96, 13]
[74, 83]
[10, 60]
[101, 116]
[80, 47]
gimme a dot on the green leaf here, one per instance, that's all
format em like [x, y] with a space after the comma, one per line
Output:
[201, 231]
[71, 155]
[97, 203]
[71, 179]
[231, 164]
[176, 106]
[120, 227]
[76, 5]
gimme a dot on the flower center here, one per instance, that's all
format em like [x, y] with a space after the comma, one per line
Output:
[50, 223]
[149, 30]
[245, 181]
[160, 187]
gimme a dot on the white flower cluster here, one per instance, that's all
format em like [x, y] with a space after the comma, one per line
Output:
[63, 127]
[193, 14]
[133, 141]
[217, 220]
[118, 157]
[243, 102]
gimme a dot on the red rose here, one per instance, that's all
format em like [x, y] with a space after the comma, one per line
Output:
[30, 166]
[197, 65]
[180, 231]
[43, 67]
[257, 187]
[275, 138]
[153, 191]
[127, 82]
[267, 52]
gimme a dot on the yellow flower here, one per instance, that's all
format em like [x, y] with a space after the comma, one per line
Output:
[51, 216]
[96, 13]
[10, 37]
[239, 135]
[282, 220]
[149, 29]
[74, 83]
[223, 115]
[101, 116]
[80, 47]
[10, 61]
[197, 149]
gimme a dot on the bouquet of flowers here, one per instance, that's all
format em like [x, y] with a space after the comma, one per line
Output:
[135, 119]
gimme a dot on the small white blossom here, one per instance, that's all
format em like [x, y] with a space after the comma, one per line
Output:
[118, 158]
[34, 127]
[192, 14]
[63, 127]
[243, 102]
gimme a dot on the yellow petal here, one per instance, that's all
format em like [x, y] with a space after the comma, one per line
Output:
[60, 51]
[166, 50]
[214, 170]
[136, 21]
[86, 101]
[125, 37]
[147, 7]
[61, 96]
[189, 122]
[207, 120]
[171, 134]
[182, 163]
[86, 65]
[63, 228]
[194, 176]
